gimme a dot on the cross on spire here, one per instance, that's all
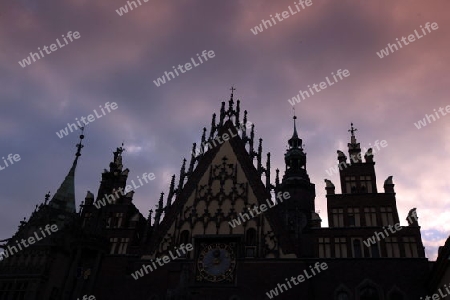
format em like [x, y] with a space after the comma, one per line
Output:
[79, 145]
[352, 130]
[232, 91]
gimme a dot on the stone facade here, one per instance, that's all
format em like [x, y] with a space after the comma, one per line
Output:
[99, 248]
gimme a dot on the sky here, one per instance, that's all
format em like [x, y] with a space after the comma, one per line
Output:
[117, 58]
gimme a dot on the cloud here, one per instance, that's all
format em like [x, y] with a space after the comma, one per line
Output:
[117, 59]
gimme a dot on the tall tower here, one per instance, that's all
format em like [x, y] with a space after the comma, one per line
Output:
[298, 212]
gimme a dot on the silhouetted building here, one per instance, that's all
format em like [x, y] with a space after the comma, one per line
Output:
[249, 237]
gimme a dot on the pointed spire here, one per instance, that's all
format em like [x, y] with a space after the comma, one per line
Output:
[213, 124]
[244, 130]
[277, 178]
[222, 114]
[166, 208]
[161, 198]
[295, 141]
[231, 101]
[64, 198]
[182, 175]
[238, 112]
[268, 171]
[192, 161]
[203, 138]
[171, 191]
[259, 156]
[295, 127]
[159, 210]
[295, 157]
[252, 138]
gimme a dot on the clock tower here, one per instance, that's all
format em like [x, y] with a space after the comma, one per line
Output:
[298, 213]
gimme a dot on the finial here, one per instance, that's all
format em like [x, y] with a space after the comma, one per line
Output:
[182, 175]
[295, 135]
[47, 196]
[252, 138]
[159, 210]
[203, 136]
[213, 126]
[150, 212]
[79, 145]
[232, 91]
[161, 197]
[277, 178]
[118, 156]
[259, 156]
[121, 149]
[171, 191]
[192, 162]
[268, 172]
[244, 130]
[352, 130]
[222, 114]
[238, 112]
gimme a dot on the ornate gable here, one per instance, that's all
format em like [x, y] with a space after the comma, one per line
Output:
[224, 184]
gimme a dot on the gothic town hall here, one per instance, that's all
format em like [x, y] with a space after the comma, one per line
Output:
[229, 228]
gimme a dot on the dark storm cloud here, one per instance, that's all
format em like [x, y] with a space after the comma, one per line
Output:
[118, 57]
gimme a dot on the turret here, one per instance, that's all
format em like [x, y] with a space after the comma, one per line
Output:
[114, 181]
[356, 176]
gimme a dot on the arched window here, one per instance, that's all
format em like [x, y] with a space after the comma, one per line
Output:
[369, 293]
[342, 296]
[250, 238]
[342, 293]
[396, 295]
[368, 290]
[184, 237]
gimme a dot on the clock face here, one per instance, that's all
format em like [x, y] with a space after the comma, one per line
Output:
[216, 262]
